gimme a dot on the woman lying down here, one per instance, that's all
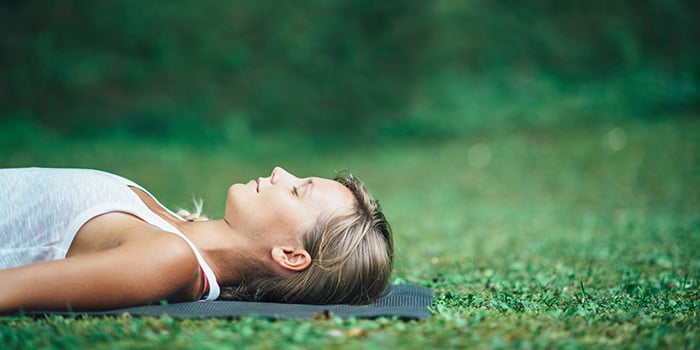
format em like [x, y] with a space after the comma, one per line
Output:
[79, 239]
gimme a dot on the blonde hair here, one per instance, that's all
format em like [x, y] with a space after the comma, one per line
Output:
[352, 256]
[196, 215]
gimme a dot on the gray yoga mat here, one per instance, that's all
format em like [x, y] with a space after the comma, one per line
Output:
[401, 301]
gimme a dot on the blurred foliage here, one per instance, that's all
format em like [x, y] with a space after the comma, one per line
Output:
[229, 70]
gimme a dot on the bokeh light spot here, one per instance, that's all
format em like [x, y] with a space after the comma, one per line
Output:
[615, 140]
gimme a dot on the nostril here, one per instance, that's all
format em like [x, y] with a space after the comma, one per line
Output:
[276, 173]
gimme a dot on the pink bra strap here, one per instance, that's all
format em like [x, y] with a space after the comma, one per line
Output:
[205, 284]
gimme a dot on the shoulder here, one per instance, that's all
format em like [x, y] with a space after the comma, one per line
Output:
[132, 235]
[173, 249]
[165, 250]
[161, 260]
[166, 264]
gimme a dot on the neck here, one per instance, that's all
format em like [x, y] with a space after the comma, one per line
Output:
[228, 253]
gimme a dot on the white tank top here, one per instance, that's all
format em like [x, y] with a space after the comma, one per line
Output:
[41, 211]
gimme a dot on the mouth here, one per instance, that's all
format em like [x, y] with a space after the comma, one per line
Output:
[257, 185]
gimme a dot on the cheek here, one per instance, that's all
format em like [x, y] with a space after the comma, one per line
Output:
[293, 217]
[307, 219]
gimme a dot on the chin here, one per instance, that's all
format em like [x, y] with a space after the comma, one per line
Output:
[237, 195]
[236, 190]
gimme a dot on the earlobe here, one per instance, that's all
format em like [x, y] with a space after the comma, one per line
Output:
[291, 259]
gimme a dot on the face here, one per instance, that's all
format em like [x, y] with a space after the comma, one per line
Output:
[281, 207]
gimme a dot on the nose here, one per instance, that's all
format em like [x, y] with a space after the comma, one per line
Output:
[280, 174]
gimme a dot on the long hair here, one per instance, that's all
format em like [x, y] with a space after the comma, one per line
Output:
[352, 256]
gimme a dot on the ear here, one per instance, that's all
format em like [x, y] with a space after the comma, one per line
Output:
[291, 259]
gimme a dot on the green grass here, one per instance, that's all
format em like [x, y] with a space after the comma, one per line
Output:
[554, 237]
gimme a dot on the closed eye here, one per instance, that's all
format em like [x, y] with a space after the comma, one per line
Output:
[295, 189]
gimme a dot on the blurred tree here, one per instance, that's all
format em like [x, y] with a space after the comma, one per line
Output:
[157, 66]
[339, 67]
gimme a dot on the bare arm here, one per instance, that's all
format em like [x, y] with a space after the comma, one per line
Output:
[162, 267]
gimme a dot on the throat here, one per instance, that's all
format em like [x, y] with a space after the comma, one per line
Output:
[227, 253]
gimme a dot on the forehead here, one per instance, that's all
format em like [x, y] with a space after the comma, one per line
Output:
[331, 193]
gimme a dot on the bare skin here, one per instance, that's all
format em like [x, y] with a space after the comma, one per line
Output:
[107, 273]
[118, 260]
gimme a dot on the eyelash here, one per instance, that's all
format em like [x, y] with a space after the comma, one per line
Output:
[295, 189]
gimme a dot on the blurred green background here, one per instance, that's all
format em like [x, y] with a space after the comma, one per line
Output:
[539, 160]
[336, 72]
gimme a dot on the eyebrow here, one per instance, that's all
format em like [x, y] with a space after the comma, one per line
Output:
[309, 183]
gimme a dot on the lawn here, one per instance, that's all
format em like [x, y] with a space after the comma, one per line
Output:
[566, 236]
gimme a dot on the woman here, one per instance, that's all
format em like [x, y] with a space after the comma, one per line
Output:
[77, 239]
